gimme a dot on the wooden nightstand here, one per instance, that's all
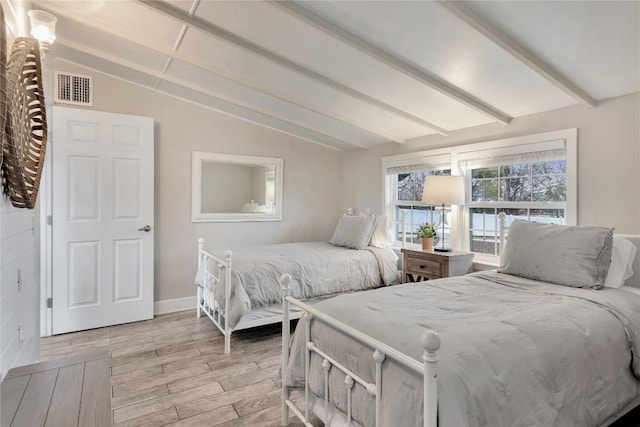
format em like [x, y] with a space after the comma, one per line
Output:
[419, 265]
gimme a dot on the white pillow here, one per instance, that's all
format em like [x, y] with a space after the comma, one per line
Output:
[249, 207]
[353, 231]
[621, 267]
[380, 236]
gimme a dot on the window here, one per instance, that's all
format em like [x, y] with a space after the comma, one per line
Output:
[270, 190]
[403, 188]
[408, 203]
[530, 177]
[533, 191]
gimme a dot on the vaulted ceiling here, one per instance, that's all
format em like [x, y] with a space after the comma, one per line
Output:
[360, 73]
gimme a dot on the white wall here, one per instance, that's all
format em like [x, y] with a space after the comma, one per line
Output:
[312, 178]
[19, 300]
[608, 159]
[19, 258]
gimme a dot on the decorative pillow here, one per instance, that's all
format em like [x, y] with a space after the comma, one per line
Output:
[621, 267]
[565, 255]
[380, 236]
[353, 231]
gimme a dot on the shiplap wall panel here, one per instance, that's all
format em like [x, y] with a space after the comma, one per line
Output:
[19, 305]
[9, 272]
[18, 252]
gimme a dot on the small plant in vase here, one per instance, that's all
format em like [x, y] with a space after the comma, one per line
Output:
[426, 232]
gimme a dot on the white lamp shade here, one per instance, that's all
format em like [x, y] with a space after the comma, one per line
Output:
[443, 189]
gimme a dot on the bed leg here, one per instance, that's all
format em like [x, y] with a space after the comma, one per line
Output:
[198, 301]
[227, 343]
[430, 343]
[285, 281]
[199, 288]
[227, 301]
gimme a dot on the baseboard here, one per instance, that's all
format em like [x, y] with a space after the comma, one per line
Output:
[171, 305]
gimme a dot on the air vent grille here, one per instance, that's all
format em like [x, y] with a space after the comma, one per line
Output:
[74, 89]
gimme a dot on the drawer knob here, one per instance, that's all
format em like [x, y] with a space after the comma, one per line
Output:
[422, 266]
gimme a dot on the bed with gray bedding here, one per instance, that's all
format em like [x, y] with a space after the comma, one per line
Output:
[319, 269]
[514, 351]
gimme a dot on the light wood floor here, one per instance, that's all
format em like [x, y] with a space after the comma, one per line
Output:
[172, 371]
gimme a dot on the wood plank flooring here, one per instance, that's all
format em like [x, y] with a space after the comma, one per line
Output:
[172, 371]
[70, 391]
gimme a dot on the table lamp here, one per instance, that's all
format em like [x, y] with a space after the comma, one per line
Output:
[444, 190]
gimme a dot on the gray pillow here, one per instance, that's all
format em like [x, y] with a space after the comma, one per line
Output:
[353, 231]
[571, 256]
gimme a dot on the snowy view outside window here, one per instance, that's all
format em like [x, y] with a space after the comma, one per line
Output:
[529, 191]
[408, 189]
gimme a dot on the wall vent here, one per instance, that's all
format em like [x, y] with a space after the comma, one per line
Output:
[74, 89]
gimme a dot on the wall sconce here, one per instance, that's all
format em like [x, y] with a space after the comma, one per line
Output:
[43, 28]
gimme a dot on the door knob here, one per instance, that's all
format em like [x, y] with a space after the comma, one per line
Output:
[146, 228]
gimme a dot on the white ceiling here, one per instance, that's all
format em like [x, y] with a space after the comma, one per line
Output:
[350, 74]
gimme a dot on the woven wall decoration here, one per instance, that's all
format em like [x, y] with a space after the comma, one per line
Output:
[25, 124]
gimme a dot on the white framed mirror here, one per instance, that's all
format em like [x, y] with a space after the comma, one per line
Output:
[235, 188]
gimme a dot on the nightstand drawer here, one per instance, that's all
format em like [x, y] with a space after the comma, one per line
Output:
[418, 266]
[424, 267]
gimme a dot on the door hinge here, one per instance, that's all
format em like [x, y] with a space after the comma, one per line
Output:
[49, 302]
[49, 219]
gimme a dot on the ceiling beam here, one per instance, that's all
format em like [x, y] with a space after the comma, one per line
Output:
[257, 115]
[219, 32]
[205, 66]
[382, 55]
[517, 50]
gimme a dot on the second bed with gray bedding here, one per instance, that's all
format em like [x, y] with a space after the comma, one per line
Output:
[515, 351]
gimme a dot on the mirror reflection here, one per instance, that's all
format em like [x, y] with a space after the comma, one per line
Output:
[236, 188]
[232, 188]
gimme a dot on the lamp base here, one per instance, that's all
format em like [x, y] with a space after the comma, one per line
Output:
[442, 249]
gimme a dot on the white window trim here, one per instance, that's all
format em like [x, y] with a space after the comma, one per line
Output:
[493, 148]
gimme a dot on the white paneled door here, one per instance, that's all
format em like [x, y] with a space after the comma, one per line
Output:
[102, 205]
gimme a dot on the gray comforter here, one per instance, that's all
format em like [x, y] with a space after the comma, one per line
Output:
[515, 352]
[317, 268]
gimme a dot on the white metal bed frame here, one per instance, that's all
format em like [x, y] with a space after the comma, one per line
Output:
[207, 304]
[380, 352]
[205, 296]
[206, 301]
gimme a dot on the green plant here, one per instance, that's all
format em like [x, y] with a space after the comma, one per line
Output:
[426, 230]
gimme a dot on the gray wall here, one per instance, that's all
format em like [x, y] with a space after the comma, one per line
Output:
[312, 176]
[608, 175]
[608, 159]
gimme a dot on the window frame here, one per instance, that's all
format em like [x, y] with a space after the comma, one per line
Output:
[523, 147]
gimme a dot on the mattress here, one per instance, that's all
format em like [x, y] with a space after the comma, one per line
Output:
[514, 351]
